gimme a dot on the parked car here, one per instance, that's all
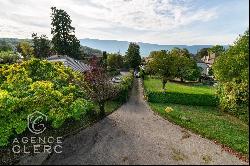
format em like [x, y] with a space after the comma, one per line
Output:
[116, 79]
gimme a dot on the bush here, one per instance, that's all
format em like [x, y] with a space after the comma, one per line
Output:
[41, 86]
[231, 69]
[181, 98]
[8, 57]
[124, 88]
[234, 99]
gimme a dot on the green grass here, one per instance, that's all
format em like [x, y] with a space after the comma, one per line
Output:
[156, 85]
[185, 94]
[208, 122]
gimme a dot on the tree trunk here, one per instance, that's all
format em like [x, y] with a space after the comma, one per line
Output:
[164, 82]
[102, 109]
[182, 79]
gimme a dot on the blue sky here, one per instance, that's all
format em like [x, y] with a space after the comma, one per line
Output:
[152, 21]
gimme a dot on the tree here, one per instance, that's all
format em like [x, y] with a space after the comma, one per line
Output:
[201, 53]
[4, 46]
[98, 86]
[41, 46]
[104, 60]
[25, 49]
[217, 49]
[163, 63]
[133, 57]
[64, 40]
[186, 67]
[115, 61]
[231, 69]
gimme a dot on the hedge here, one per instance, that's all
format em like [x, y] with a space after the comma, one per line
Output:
[181, 98]
[124, 88]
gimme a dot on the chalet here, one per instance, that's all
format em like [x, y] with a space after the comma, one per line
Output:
[70, 62]
[206, 63]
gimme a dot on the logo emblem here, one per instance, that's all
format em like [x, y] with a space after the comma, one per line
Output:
[35, 122]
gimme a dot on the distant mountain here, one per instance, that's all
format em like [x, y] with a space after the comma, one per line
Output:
[145, 48]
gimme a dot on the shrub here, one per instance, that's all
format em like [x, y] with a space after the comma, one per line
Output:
[231, 69]
[124, 88]
[41, 86]
[8, 57]
[234, 99]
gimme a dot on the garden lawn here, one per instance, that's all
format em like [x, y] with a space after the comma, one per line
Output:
[208, 122]
[156, 85]
[177, 93]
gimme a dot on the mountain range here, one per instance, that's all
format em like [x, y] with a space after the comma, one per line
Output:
[113, 46]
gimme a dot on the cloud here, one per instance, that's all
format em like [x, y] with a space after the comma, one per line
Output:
[144, 20]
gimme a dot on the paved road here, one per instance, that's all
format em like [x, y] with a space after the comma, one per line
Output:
[135, 135]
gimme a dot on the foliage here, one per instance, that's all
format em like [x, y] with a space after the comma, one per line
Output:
[179, 94]
[104, 60]
[64, 40]
[201, 53]
[124, 88]
[186, 68]
[37, 85]
[8, 57]
[4, 46]
[41, 46]
[231, 69]
[25, 49]
[163, 63]
[98, 86]
[89, 52]
[133, 57]
[217, 50]
[115, 61]
[209, 123]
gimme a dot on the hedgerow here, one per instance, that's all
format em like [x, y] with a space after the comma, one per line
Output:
[181, 98]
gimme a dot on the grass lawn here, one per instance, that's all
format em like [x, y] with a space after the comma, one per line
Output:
[208, 122]
[156, 85]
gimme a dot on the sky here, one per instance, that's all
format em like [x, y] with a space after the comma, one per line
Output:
[186, 22]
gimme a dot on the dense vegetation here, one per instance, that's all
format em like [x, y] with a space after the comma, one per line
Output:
[232, 71]
[8, 57]
[37, 85]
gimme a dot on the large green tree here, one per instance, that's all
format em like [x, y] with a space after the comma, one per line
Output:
[41, 45]
[186, 67]
[163, 63]
[64, 39]
[231, 69]
[133, 57]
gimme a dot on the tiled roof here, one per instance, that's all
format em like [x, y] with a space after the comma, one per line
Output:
[70, 62]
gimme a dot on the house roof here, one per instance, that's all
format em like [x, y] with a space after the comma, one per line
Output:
[70, 62]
